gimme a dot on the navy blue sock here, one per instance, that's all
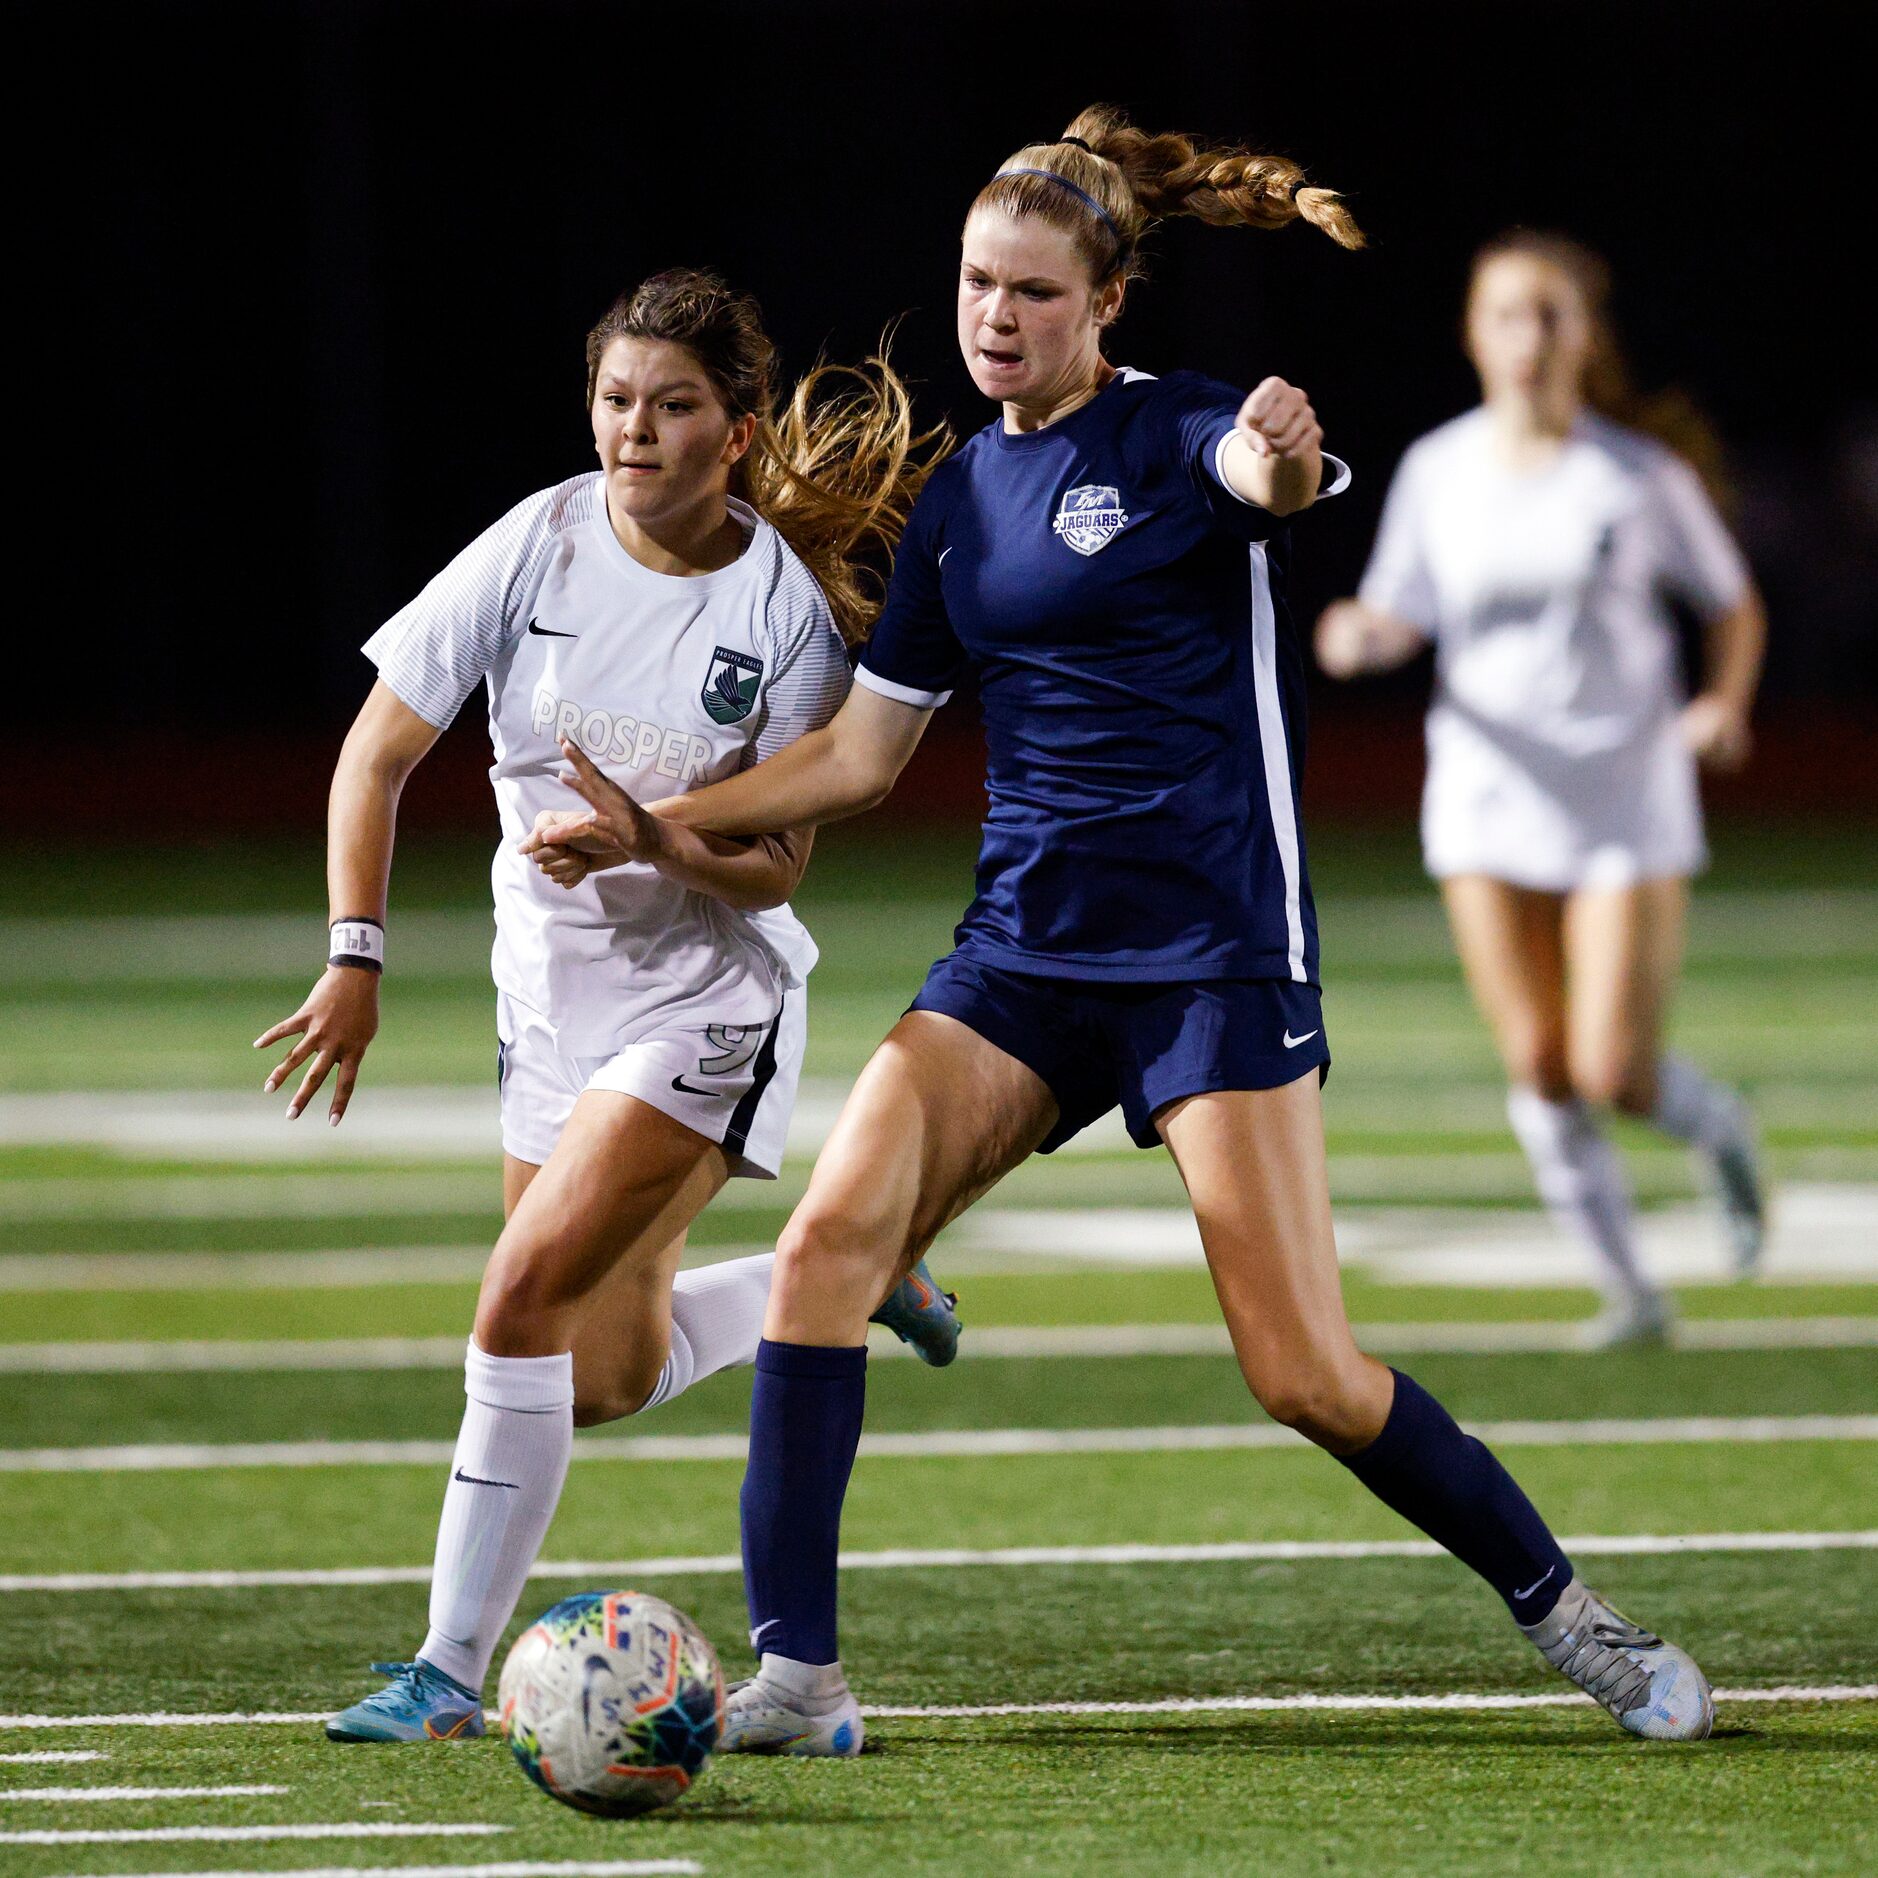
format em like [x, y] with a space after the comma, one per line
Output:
[805, 1424]
[1451, 1486]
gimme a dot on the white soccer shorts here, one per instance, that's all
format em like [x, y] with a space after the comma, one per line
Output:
[1518, 813]
[733, 1083]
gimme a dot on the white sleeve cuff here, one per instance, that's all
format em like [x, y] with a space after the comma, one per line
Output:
[1339, 482]
[901, 694]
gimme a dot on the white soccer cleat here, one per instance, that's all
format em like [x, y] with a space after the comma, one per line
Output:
[760, 1718]
[1651, 1687]
[1644, 1319]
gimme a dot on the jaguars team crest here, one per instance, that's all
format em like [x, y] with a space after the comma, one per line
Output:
[729, 693]
[1091, 517]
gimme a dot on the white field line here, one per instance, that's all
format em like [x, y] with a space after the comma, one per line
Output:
[347, 1269]
[1208, 1705]
[184, 1357]
[319, 1193]
[46, 1757]
[64, 1794]
[718, 1564]
[1178, 1705]
[944, 1443]
[511, 1868]
[1821, 1230]
[165, 1835]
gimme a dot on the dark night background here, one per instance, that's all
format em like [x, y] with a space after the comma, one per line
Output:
[336, 262]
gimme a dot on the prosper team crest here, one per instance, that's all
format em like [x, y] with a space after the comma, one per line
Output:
[729, 693]
[1091, 517]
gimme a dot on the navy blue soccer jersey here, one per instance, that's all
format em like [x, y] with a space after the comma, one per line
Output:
[1142, 688]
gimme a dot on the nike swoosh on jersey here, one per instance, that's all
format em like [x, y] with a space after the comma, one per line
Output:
[548, 632]
[1291, 1042]
[678, 1082]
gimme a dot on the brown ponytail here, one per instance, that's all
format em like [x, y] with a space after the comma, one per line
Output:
[1123, 180]
[1670, 416]
[837, 474]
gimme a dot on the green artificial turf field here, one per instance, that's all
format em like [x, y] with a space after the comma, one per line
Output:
[228, 1375]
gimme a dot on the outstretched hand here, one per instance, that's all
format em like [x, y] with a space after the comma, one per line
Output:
[335, 1027]
[613, 829]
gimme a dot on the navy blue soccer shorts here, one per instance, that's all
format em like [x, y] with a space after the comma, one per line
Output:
[1097, 1043]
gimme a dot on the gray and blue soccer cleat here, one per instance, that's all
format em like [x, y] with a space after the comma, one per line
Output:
[760, 1718]
[919, 1313]
[1651, 1687]
[419, 1703]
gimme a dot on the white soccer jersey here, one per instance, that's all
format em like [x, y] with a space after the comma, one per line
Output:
[1554, 756]
[1545, 591]
[668, 683]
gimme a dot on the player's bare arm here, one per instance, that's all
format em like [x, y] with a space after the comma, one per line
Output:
[847, 766]
[339, 1018]
[1715, 720]
[752, 874]
[1276, 456]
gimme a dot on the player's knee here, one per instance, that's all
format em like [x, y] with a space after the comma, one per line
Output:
[1323, 1399]
[592, 1407]
[1536, 1059]
[1614, 1079]
[831, 1245]
[520, 1301]
[614, 1398]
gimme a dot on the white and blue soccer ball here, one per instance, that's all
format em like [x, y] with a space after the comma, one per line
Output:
[612, 1702]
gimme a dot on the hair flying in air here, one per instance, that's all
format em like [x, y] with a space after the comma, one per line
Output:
[1122, 180]
[1609, 388]
[836, 473]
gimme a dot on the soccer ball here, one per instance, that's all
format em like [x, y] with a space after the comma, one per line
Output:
[612, 1702]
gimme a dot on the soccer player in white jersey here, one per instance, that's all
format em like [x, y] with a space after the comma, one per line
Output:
[669, 619]
[1109, 555]
[1537, 541]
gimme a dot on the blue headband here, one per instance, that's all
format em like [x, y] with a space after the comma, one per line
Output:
[1101, 214]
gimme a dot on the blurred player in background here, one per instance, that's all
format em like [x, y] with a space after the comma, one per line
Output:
[675, 617]
[1109, 553]
[1538, 542]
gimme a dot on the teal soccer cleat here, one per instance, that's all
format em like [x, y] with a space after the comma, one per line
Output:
[919, 1313]
[420, 1703]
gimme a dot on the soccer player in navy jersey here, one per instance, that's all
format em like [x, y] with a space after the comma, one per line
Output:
[1109, 555]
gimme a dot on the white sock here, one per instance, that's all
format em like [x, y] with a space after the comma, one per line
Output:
[505, 1481]
[1581, 1180]
[717, 1322]
[812, 1688]
[1693, 1107]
